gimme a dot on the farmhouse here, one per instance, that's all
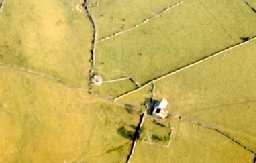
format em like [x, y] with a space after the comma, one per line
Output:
[159, 108]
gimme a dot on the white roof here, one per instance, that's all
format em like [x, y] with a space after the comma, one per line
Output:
[162, 113]
[163, 103]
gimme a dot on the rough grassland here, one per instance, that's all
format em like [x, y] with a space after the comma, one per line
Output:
[45, 49]
[219, 92]
[41, 121]
[48, 36]
[193, 144]
[181, 36]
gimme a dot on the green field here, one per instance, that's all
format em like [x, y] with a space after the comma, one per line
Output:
[218, 93]
[175, 39]
[198, 54]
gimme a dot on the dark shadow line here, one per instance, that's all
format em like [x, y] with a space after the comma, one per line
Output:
[1, 3]
[248, 5]
[93, 41]
[135, 137]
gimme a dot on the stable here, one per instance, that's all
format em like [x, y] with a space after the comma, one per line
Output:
[159, 108]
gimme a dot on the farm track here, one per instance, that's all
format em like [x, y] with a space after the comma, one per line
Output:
[137, 84]
[116, 80]
[93, 41]
[223, 133]
[145, 21]
[202, 60]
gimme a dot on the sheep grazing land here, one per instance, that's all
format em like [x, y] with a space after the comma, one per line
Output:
[79, 80]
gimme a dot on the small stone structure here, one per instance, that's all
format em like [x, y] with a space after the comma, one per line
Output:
[97, 80]
[159, 108]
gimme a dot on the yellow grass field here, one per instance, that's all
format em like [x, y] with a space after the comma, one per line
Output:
[197, 54]
[47, 36]
[43, 121]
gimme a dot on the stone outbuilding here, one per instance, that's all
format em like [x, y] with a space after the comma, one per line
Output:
[97, 80]
[159, 108]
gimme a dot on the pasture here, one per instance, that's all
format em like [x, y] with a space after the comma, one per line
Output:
[198, 54]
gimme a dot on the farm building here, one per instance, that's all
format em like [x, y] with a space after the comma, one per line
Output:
[159, 108]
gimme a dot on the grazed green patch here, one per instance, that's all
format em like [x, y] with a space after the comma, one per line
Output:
[156, 131]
